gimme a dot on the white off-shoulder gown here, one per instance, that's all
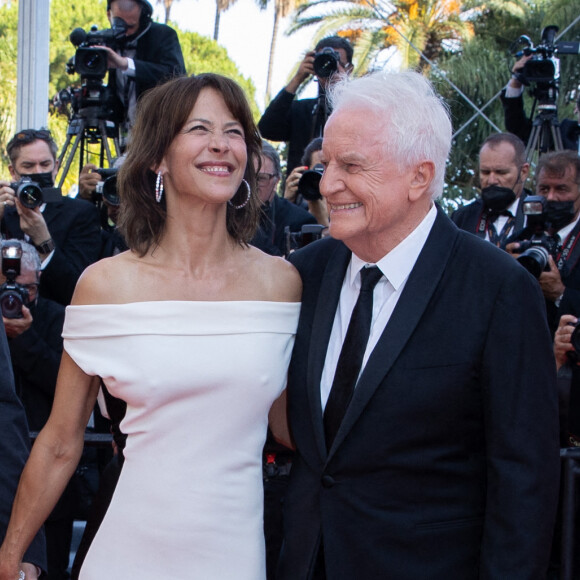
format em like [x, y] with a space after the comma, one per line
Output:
[198, 379]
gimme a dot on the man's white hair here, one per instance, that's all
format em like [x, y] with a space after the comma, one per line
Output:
[415, 120]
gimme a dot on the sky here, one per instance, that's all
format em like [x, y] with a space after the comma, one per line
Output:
[246, 33]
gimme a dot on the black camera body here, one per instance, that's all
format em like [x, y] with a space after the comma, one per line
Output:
[28, 192]
[536, 251]
[326, 62]
[307, 234]
[543, 69]
[309, 183]
[107, 188]
[12, 295]
[90, 61]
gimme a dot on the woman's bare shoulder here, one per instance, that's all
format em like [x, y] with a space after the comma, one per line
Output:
[281, 279]
[106, 281]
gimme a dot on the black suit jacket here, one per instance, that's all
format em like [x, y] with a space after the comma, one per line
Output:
[14, 447]
[35, 356]
[270, 237]
[469, 216]
[289, 119]
[75, 229]
[158, 57]
[447, 462]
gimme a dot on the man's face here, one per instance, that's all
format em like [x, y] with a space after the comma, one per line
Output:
[497, 166]
[36, 157]
[129, 11]
[344, 67]
[267, 180]
[367, 192]
[563, 188]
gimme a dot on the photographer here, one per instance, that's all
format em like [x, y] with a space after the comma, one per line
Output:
[515, 118]
[100, 187]
[277, 212]
[150, 54]
[64, 231]
[293, 190]
[558, 182]
[300, 121]
[35, 344]
[503, 171]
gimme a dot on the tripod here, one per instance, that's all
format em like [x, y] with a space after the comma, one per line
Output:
[87, 126]
[545, 134]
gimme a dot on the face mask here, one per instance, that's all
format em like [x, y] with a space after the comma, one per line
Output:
[558, 214]
[44, 180]
[497, 198]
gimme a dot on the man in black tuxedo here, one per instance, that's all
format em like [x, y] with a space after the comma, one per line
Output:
[14, 446]
[64, 231]
[440, 458]
[503, 171]
[150, 55]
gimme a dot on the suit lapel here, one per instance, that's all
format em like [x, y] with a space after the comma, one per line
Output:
[326, 306]
[416, 295]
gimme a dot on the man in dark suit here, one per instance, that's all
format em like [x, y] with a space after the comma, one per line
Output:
[277, 212]
[14, 446]
[149, 55]
[503, 171]
[64, 231]
[440, 458]
[298, 121]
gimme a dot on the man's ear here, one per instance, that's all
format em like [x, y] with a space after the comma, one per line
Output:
[12, 172]
[421, 180]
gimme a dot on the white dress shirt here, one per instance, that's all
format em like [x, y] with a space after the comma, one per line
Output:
[396, 267]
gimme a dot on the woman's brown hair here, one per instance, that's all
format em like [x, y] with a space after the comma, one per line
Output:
[162, 112]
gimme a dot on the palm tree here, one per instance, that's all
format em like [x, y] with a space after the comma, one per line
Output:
[220, 6]
[282, 8]
[417, 29]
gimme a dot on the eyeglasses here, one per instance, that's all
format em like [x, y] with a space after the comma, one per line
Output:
[264, 177]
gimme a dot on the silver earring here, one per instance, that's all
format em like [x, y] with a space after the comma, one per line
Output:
[242, 205]
[159, 187]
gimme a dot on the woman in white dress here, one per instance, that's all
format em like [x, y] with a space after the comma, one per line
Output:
[192, 328]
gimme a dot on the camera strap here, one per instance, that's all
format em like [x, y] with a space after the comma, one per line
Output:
[486, 226]
[570, 252]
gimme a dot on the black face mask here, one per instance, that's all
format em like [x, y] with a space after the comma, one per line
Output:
[558, 214]
[44, 180]
[497, 198]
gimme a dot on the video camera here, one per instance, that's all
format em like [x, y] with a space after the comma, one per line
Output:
[12, 295]
[536, 251]
[90, 61]
[543, 69]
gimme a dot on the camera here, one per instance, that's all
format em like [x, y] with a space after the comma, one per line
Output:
[90, 61]
[28, 192]
[543, 69]
[536, 251]
[107, 188]
[574, 356]
[12, 295]
[309, 183]
[326, 62]
[307, 234]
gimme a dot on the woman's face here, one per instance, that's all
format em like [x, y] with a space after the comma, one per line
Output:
[207, 159]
